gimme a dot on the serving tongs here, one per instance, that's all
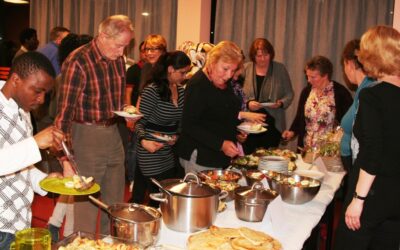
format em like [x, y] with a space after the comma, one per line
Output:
[71, 159]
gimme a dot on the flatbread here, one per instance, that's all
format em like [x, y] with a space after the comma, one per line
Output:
[242, 243]
[204, 241]
[226, 233]
[220, 238]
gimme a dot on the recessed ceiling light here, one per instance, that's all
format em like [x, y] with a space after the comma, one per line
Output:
[17, 1]
[145, 14]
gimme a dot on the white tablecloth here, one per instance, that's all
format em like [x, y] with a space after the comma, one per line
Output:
[290, 224]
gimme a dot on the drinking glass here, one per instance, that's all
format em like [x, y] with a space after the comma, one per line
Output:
[32, 239]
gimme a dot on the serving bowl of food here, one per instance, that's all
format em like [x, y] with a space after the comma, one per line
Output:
[253, 176]
[311, 173]
[219, 175]
[223, 179]
[293, 188]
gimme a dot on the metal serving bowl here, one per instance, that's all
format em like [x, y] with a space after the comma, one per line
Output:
[293, 188]
[219, 175]
[253, 176]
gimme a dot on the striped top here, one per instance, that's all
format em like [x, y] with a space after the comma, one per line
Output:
[92, 86]
[158, 117]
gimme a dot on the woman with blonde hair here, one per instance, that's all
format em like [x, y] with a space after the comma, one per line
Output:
[372, 205]
[211, 111]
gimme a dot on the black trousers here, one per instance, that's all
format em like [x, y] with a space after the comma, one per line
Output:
[144, 186]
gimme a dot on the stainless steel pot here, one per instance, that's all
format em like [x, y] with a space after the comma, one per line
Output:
[133, 222]
[187, 205]
[252, 202]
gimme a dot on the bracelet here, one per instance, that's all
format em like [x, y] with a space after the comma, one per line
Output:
[356, 196]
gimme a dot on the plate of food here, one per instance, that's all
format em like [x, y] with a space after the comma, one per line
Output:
[252, 128]
[162, 137]
[247, 161]
[129, 112]
[231, 238]
[69, 185]
[267, 104]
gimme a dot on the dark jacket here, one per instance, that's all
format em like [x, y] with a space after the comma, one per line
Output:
[210, 116]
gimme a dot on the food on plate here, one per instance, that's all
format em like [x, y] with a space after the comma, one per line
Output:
[224, 232]
[256, 126]
[80, 243]
[232, 238]
[205, 241]
[250, 161]
[130, 109]
[286, 153]
[78, 185]
[69, 184]
[164, 136]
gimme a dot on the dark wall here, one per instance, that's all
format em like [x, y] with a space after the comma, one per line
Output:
[13, 19]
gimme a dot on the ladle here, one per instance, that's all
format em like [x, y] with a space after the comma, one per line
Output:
[160, 186]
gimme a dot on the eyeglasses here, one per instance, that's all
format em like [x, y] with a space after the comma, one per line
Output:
[153, 49]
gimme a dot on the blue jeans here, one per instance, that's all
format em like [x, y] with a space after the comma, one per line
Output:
[5, 240]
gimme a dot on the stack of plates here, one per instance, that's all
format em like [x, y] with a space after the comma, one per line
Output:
[273, 163]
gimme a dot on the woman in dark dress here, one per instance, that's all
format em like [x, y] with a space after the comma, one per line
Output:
[371, 218]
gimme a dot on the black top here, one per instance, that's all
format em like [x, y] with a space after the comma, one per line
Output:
[376, 128]
[133, 79]
[343, 101]
[210, 116]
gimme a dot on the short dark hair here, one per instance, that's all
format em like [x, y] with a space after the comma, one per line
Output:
[55, 32]
[322, 64]
[350, 53]
[71, 42]
[261, 44]
[27, 34]
[31, 62]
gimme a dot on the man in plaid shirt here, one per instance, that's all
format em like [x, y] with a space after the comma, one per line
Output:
[92, 87]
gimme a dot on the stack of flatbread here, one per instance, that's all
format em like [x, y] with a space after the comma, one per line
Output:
[242, 238]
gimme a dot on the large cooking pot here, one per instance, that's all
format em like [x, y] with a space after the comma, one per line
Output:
[252, 202]
[188, 205]
[133, 222]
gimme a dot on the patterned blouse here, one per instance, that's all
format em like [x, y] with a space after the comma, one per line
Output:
[320, 113]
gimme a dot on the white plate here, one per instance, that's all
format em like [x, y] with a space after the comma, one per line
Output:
[267, 104]
[315, 174]
[166, 138]
[126, 114]
[250, 131]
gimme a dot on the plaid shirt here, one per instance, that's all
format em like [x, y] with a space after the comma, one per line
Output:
[16, 189]
[92, 86]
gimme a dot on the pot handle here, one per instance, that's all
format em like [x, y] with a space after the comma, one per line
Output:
[158, 197]
[223, 194]
[257, 185]
[192, 175]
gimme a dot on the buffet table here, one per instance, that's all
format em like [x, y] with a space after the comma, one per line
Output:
[290, 224]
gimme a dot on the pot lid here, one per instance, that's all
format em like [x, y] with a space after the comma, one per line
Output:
[189, 188]
[256, 193]
[134, 212]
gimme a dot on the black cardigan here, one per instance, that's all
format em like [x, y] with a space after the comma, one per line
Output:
[343, 101]
[210, 116]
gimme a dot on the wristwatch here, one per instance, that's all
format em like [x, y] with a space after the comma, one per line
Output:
[356, 196]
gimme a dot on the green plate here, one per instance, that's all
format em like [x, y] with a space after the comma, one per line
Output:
[57, 185]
